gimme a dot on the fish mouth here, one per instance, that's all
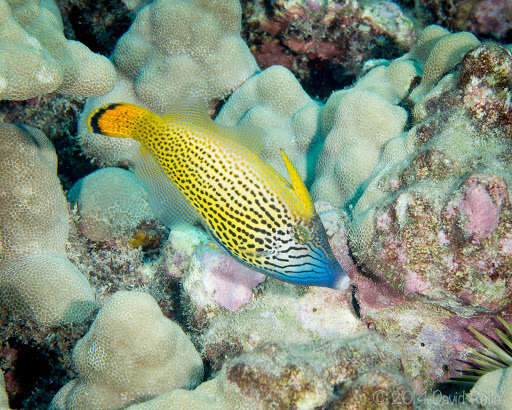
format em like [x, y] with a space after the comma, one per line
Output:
[339, 278]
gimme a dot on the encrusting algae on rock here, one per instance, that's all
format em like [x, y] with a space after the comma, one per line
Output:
[249, 208]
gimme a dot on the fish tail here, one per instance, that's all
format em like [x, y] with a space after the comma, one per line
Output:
[123, 120]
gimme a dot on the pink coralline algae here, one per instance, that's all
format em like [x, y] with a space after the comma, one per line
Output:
[480, 210]
[216, 279]
[229, 282]
[314, 39]
[493, 17]
[452, 255]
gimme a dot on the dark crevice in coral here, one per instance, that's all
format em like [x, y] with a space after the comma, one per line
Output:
[36, 376]
[326, 78]
[355, 303]
[454, 392]
[97, 24]
[269, 7]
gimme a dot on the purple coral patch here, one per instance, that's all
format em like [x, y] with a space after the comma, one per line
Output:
[227, 281]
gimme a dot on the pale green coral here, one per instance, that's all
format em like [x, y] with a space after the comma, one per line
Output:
[274, 103]
[439, 51]
[46, 288]
[177, 49]
[111, 203]
[33, 234]
[208, 395]
[4, 401]
[174, 52]
[131, 353]
[36, 58]
[32, 205]
[358, 123]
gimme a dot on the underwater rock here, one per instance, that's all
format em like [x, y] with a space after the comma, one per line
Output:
[421, 334]
[484, 79]
[183, 240]
[385, 388]
[435, 221]
[215, 279]
[336, 374]
[434, 342]
[253, 377]
[325, 43]
[277, 313]
[481, 17]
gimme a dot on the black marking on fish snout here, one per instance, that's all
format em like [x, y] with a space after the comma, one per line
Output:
[93, 121]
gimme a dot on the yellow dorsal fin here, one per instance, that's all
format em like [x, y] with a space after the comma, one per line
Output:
[250, 137]
[298, 186]
[194, 114]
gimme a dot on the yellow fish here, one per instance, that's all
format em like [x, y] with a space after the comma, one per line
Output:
[249, 208]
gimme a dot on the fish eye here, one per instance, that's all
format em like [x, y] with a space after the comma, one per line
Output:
[301, 234]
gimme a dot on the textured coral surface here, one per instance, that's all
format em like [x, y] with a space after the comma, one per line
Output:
[402, 132]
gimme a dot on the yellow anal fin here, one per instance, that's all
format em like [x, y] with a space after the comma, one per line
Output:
[298, 186]
[120, 120]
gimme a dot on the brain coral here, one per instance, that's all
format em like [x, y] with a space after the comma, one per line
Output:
[33, 233]
[111, 203]
[131, 352]
[37, 59]
[173, 52]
